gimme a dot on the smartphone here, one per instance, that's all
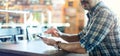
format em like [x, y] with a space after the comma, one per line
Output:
[39, 36]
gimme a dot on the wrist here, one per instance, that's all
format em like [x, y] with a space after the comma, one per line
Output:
[57, 45]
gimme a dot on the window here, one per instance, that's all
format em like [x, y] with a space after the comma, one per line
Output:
[114, 5]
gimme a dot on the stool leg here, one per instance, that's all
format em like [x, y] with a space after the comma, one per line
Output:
[15, 39]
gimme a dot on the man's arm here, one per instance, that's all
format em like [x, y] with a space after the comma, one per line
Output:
[70, 37]
[73, 47]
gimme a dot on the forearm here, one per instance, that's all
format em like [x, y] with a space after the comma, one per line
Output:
[69, 37]
[72, 47]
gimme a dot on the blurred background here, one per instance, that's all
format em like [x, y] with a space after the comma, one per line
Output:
[33, 16]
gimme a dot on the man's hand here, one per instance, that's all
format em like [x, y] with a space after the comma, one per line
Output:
[53, 31]
[49, 41]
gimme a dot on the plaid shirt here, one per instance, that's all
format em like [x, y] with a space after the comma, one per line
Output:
[101, 36]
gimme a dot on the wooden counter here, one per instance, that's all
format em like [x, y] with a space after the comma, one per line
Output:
[29, 48]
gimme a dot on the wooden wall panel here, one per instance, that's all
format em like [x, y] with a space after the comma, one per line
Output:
[76, 22]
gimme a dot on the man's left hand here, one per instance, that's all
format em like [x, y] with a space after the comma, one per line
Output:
[49, 41]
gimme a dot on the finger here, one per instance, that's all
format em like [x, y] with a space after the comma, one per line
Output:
[48, 31]
[45, 39]
[55, 33]
[51, 29]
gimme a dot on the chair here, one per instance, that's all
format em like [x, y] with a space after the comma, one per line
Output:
[9, 33]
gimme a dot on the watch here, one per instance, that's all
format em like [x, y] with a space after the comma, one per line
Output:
[56, 45]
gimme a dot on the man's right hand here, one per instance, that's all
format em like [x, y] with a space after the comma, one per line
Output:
[53, 31]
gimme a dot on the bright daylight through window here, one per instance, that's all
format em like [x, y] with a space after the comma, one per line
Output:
[114, 5]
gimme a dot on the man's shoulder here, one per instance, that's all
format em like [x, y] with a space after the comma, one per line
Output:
[105, 9]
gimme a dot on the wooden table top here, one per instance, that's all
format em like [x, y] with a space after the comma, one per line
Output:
[37, 48]
[31, 48]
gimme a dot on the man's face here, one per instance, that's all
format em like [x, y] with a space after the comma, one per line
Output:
[85, 4]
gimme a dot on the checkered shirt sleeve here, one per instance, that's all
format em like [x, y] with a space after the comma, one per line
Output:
[96, 30]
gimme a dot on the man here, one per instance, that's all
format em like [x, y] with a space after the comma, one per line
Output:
[101, 36]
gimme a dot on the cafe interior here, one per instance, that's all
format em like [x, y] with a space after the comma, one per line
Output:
[22, 20]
